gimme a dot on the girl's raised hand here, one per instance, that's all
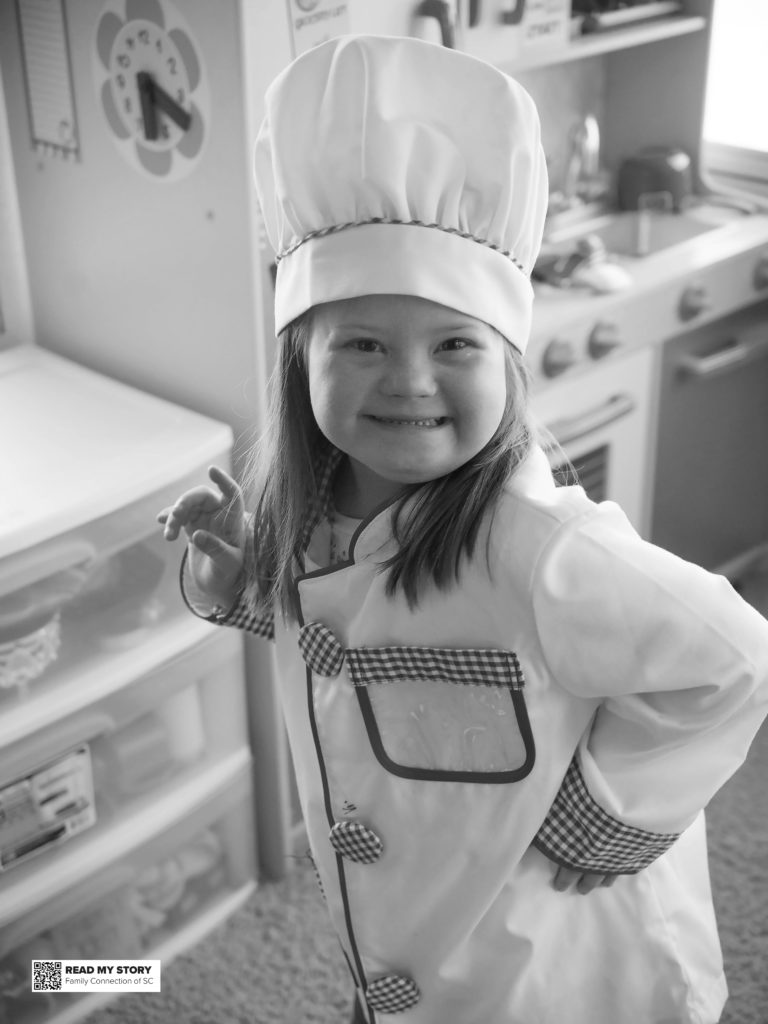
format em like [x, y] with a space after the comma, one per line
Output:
[215, 524]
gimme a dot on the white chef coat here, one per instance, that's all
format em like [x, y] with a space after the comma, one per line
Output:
[577, 698]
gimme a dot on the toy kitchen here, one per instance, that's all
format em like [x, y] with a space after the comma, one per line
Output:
[144, 777]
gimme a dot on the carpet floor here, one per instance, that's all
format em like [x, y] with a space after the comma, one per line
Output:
[276, 961]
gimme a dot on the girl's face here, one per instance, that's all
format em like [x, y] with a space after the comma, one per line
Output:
[410, 390]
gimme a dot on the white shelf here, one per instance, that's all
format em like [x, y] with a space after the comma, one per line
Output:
[608, 41]
[66, 473]
[75, 862]
[175, 946]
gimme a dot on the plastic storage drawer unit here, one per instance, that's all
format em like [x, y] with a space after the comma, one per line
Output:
[71, 785]
[154, 901]
[126, 818]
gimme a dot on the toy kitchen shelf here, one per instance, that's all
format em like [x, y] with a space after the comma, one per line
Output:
[666, 20]
[126, 808]
[583, 46]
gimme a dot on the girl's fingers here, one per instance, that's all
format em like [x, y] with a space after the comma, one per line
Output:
[565, 878]
[228, 487]
[589, 881]
[580, 881]
[195, 507]
[187, 509]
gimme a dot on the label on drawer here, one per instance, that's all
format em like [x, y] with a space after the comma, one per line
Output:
[46, 807]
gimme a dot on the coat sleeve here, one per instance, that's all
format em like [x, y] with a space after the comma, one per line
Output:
[241, 614]
[679, 663]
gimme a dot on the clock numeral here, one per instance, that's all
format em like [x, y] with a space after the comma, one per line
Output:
[171, 62]
[123, 60]
[144, 36]
[128, 105]
[181, 96]
[159, 45]
[130, 42]
[121, 80]
[164, 132]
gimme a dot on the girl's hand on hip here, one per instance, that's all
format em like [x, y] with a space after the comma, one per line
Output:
[568, 880]
[215, 524]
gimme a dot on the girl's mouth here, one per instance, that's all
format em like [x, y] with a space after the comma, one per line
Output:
[432, 421]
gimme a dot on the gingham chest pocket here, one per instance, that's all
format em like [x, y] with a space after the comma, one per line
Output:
[444, 714]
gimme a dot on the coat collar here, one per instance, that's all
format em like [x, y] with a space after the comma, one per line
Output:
[319, 507]
[374, 530]
[532, 476]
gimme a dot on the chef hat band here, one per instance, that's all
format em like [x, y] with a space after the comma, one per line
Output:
[394, 166]
[334, 228]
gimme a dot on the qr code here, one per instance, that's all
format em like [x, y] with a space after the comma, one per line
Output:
[46, 975]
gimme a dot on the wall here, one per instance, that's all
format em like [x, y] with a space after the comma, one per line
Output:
[564, 95]
[151, 283]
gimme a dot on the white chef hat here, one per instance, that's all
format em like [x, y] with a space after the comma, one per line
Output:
[391, 165]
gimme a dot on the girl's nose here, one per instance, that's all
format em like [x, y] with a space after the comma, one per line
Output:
[408, 375]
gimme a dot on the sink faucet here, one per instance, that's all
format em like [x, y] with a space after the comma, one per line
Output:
[583, 158]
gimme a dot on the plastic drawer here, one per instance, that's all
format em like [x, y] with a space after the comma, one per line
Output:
[155, 901]
[73, 781]
[89, 612]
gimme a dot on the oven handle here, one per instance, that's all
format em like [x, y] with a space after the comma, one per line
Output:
[566, 431]
[730, 357]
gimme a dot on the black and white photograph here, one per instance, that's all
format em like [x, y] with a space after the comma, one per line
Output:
[383, 512]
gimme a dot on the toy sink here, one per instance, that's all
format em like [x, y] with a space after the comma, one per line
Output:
[639, 233]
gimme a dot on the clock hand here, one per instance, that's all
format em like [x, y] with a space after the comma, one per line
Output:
[147, 99]
[153, 98]
[169, 106]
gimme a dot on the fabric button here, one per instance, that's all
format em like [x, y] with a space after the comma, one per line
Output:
[392, 993]
[320, 649]
[356, 842]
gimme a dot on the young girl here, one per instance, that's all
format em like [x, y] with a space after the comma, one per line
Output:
[506, 710]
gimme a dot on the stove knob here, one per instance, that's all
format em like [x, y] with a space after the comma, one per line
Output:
[559, 356]
[694, 301]
[603, 339]
[760, 276]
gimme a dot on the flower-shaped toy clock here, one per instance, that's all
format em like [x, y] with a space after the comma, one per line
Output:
[152, 86]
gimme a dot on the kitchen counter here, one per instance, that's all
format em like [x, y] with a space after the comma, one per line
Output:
[691, 283]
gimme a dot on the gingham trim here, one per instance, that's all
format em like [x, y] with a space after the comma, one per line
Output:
[392, 993]
[320, 649]
[467, 666]
[242, 616]
[319, 509]
[356, 842]
[318, 879]
[335, 228]
[579, 834]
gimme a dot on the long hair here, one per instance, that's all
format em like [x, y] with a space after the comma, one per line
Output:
[433, 533]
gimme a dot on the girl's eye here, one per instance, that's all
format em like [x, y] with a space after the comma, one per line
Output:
[365, 345]
[455, 344]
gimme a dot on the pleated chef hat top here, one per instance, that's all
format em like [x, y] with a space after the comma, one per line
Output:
[395, 166]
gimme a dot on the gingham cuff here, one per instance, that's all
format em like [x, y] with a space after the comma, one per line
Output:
[240, 615]
[580, 835]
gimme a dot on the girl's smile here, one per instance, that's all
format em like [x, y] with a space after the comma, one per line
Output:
[410, 390]
[433, 422]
